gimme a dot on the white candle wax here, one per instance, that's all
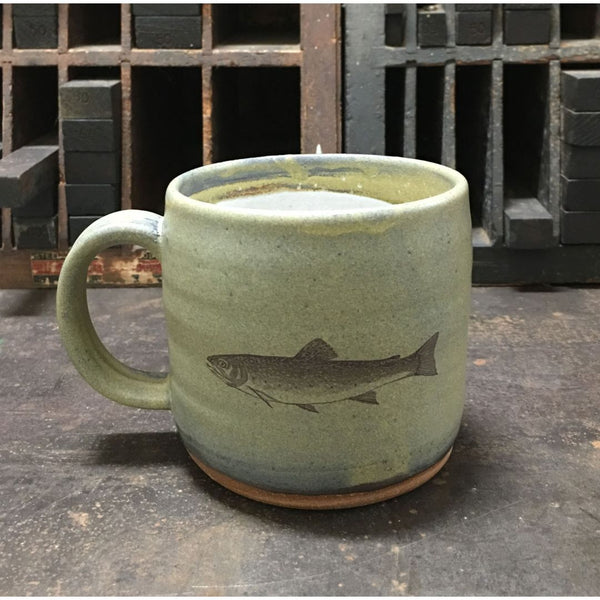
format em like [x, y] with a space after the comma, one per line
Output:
[305, 200]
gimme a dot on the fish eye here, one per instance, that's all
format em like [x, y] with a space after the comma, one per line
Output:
[222, 363]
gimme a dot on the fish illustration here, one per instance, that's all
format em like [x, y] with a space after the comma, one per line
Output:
[316, 376]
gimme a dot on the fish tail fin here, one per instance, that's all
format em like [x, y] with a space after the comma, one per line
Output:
[425, 358]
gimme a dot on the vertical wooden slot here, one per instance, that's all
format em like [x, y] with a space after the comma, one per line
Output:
[430, 101]
[35, 103]
[578, 21]
[166, 130]
[94, 25]
[473, 84]
[256, 111]
[94, 73]
[525, 98]
[527, 222]
[395, 81]
[276, 24]
[5, 228]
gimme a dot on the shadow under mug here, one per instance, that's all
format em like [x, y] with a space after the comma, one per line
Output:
[316, 309]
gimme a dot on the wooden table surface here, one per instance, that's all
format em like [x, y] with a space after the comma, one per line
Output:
[99, 499]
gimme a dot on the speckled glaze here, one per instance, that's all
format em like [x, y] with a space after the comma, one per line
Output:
[371, 285]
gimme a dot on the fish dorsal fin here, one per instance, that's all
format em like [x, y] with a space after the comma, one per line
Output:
[317, 350]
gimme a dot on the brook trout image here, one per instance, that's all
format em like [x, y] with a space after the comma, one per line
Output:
[316, 376]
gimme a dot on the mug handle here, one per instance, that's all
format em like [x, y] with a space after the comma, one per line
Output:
[106, 374]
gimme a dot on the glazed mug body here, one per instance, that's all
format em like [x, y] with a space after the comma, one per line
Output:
[316, 353]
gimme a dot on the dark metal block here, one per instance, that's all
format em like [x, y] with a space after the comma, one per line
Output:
[580, 162]
[579, 227]
[153, 10]
[395, 24]
[35, 32]
[93, 199]
[395, 9]
[581, 128]
[527, 6]
[526, 27]
[580, 194]
[34, 10]
[472, 7]
[44, 204]
[35, 232]
[168, 32]
[77, 226]
[580, 90]
[25, 172]
[90, 99]
[527, 224]
[91, 135]
[431, 26]
[474, 28]
[92, 167]
[50, 138]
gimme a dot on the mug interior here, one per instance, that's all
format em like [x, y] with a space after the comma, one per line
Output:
[392, 180]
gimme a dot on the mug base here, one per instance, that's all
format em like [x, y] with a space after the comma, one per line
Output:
[324, 501]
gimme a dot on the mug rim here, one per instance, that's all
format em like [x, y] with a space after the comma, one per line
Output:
[176, 198]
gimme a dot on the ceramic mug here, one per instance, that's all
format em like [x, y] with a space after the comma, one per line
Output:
[316, 310]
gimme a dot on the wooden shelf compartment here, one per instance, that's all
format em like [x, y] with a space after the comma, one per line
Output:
[255, 25]
[496, 118]
[166, 130]
[474, 136]
[94, 25]
[175, 106]
[256, 111]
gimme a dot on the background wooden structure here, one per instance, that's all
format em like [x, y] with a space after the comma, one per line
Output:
[178, 107]
[492, 111]
[431, 84]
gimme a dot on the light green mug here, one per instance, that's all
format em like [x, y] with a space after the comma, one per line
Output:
[316, 310]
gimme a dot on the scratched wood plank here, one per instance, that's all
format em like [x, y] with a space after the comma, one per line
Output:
[86, 477]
